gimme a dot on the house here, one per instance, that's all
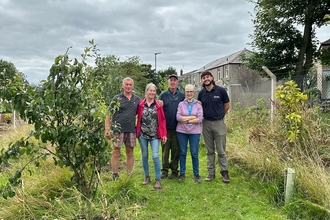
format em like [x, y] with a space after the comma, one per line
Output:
[227, 68]
[323, 76]
[244, 86]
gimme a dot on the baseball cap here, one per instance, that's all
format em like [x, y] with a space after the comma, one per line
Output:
[173, 75]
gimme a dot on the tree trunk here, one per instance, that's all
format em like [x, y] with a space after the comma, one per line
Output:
[305, 54]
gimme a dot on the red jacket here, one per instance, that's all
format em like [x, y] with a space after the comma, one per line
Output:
[161, 130]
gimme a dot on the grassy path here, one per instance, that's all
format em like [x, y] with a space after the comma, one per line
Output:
[208, 200]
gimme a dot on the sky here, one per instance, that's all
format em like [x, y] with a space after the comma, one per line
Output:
[188, 34]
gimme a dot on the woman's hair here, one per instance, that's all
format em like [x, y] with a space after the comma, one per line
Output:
[189, 86]
[149, 85]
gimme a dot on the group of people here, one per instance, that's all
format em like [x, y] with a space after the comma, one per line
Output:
[174, 119]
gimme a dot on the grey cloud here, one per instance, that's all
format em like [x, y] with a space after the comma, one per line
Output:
[188, 33]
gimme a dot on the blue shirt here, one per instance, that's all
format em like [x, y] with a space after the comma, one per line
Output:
[213, 102]
[171, 102]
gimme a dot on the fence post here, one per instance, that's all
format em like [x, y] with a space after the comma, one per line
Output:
[14, 120]
[227, 83]
[273, 91]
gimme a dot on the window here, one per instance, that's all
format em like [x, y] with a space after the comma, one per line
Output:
[226, 72]
[219, 76]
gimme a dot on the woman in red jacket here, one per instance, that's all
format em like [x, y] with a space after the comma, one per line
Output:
[151, 128]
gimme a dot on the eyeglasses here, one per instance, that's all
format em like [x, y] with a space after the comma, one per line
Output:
[189, 91]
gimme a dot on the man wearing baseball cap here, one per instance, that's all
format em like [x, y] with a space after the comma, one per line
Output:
[170, 150]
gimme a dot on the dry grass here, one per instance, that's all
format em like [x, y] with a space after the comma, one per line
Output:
[313, 183]
[265, 153]
[40, 191]
[11, 135]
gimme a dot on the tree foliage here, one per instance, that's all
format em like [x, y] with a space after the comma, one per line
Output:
[8, 69]
[325, 55]
[284, 38]
[110, 71]
[107, 72]
[133, 68]
[8, 74]
[68, 116]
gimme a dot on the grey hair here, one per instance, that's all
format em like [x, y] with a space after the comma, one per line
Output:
[149, 85]
[189, 86]
[128, 79]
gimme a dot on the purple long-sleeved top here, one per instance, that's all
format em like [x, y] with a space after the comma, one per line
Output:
[196, 110]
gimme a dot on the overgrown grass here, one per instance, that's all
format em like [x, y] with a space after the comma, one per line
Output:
[257, 159]
[266, 153]
[49, 194]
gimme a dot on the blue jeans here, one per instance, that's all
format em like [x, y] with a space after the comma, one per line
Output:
[183, 144]
[154, 143]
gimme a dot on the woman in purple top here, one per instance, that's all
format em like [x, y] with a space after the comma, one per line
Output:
[189, 128]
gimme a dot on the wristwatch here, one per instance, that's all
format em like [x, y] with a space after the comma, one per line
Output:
[188, 122]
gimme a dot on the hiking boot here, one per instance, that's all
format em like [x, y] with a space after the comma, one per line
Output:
[115, 176]
[197, 179]
[158, 185]
[209, 178]
[225, 176]
[164, 175]
[173, 175]
[182, 177]
[146, 180]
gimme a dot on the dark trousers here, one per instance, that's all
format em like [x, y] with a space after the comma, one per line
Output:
[170, 153]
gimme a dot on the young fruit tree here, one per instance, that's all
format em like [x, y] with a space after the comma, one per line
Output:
[68, 113]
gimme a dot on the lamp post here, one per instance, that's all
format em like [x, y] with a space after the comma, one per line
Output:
[156, 61]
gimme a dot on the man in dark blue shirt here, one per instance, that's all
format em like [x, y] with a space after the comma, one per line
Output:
[215, 102]
[170, 150]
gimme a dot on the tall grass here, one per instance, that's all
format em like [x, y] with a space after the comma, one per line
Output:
[49, 194]
[266, 153]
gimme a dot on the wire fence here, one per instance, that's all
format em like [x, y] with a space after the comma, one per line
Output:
[246, 95]
[10, 121]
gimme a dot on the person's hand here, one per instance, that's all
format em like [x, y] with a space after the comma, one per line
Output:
[160, 102]
[164, 139]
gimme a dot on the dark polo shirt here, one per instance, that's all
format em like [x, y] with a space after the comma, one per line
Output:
[213, 102]
[171, 102]
[125, 115]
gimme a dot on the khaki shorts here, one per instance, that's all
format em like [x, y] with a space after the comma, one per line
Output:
[129, 139]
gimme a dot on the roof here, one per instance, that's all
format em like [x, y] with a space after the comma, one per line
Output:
[326, 43]
[230, 59]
